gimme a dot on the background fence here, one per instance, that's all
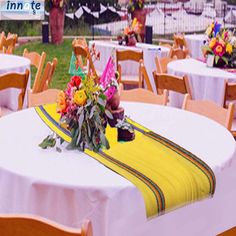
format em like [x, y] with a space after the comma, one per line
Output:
[165, 19]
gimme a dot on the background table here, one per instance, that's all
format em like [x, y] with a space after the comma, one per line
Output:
[70, 186]
[9, 64]
[108, 48]
[195, 43]
[205, 82]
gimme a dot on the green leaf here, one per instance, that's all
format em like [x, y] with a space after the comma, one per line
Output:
[49, 141]
[108, 114]
[225, 60]
[217, 59]
[81, 120]
[103, 96]
[101, 102]
[92, 111]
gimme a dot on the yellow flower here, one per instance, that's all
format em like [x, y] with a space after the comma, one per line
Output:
[61, 102]
[209, 31]
[212, 43]
[80, 97]
[229, 48]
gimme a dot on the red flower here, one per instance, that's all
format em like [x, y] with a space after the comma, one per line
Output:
[219, 49]
[75, 81]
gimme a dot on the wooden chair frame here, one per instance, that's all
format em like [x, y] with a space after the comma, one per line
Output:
[47, 76]
[36, 60]
[172, 83]
[161, 64]
[229, 95]
[15, 80]
[125, 55]
[44, 97]
[81, 51]
[28, 225]
[143, 95]
[211, 110]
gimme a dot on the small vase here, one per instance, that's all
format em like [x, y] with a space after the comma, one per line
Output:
[114, 102]
[125, 135]
[117, 114]
[131, 40]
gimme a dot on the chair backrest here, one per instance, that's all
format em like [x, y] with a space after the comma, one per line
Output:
[80, 41]
[45, 97]
[36, 60]
[161, 64]
[179, 53]
[166, 45]
[172, 83]
[143, 95]
[230, 92]
[83, 52]
[211, 110]
[46, 77]
[27, 225]
[15, 80]
[7, 44]
[2, 35]
[144, 77]
[180, 41]
[125, 55]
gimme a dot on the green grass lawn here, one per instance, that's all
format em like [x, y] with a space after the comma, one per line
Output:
[63, 54]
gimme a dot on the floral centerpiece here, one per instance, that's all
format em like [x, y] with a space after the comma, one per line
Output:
[131, 33]
[220, 45]
[84, 108]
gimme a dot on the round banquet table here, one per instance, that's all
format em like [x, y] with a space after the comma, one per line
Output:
[205, 82]
[9, 64]
[69, 186]
[108, 48]
[195, 43]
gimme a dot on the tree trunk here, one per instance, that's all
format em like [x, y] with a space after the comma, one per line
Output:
[56, 18]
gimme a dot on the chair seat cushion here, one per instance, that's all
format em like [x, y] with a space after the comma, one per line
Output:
[5, 111]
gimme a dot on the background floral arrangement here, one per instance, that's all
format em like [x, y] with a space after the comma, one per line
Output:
[133, 29]
[135, 5]
[221, 44]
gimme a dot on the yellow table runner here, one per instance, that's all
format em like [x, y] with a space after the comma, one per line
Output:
[167, 175]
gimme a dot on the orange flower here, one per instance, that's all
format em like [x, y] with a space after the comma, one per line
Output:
[212, 43]
[61, 102]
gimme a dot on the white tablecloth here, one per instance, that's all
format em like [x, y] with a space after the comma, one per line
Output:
[9, 64]
[205, 82]
[195, 43]
[107, 48]
[70, 186]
